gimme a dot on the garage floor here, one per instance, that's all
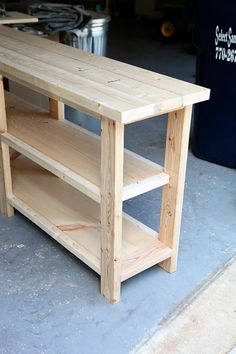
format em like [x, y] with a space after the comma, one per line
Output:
[190, 331]
[50, 301]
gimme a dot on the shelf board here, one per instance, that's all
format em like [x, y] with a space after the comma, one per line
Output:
[73, 220]
[73, 153]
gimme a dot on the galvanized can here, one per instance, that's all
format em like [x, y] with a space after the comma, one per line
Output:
[92, 38]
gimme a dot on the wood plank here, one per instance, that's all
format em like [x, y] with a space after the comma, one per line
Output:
[112, 161]
[144, 93]
[73, 89]
[5, 172]
[2, 188]
[7, 175]
[144, 258]
[172, 198]
[17, 17]
[121, 97]
[3, 121]
[3, 128]
[140, 75]
[57, 109]
[65, 240]
[65, 173]
[146, 185]
[73, 219]
[73, 153]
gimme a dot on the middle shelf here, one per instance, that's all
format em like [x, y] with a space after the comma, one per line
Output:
[71, 152]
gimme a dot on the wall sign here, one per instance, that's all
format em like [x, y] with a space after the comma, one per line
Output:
[224, 43]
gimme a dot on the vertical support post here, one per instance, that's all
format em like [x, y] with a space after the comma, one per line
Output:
[3, 206]
[5, 168]
[57, 109]
[112, 160]
[177, 141]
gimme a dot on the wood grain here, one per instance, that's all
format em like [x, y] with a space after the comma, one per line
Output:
[99, 86]
[112, 156]
[57, 109]
[74, 220]
[73, 153]
[5, 172]
[175, 165]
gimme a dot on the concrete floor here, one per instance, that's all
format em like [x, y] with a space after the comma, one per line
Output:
[50, 301]
[191, 331]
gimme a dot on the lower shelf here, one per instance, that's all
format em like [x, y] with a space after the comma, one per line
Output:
[73, 220]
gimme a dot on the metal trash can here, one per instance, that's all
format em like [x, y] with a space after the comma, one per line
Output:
[93, 39]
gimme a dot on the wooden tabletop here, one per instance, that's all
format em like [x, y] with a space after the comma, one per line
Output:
[97, 85]
[17, 17]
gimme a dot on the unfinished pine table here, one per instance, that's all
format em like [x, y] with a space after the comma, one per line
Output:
[72, 183]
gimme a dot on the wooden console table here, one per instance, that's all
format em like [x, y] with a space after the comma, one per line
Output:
[72, 183]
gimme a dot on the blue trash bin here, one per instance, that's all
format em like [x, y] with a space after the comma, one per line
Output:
[214, 129]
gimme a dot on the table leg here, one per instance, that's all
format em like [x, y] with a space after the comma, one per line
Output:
[57, 109]
[112, 159]
[5, 167]
[177, 141]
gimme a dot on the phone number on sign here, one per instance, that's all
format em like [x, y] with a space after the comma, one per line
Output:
[226, 54]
